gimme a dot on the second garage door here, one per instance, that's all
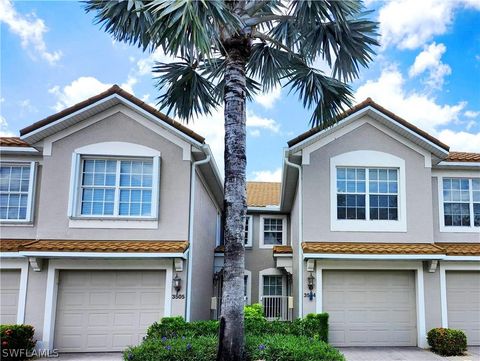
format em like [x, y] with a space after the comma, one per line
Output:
[370, 308]
[10, 285]
[106, 310]
[463, 303]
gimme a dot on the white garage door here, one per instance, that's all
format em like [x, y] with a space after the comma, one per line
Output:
[370, 308]
[10, 285]
[106, 310]
[463, 303]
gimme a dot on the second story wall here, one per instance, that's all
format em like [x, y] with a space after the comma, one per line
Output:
[320, 194]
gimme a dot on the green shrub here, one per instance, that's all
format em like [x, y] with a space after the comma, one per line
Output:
[176, 326]
[17, 342]
[447, 342]
[197, 348]
[254, 311]
[290, 348]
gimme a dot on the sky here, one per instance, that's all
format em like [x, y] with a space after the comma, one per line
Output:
[427, 71]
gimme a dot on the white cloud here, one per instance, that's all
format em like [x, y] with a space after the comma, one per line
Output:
[409, 24]
[77, 91]
[4, 130]
[418, 108]
[27, 107]
[268, 175]
[460, 141]
[267, 100]
[471, 114]
[254, 121]
[430, 60]
[30, 29]
[145, 65]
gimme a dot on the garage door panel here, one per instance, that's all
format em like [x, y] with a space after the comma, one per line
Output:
[114, 309]
[370, 308]
[463, 303]
[10, 287]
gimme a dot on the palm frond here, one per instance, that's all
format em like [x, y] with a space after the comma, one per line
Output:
[328, 96]
[185, 90]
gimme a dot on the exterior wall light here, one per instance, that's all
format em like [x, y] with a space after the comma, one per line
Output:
[177, 283]
[311, 285]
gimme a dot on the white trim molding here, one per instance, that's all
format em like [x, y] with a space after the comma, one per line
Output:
[22, 265]
[368, 159]
[249, 221]
[249, 286]
[101, 255]
[457, 266]
[373, 257]
[270, 272]
[416, 266]
[262, 232]
[56, 265]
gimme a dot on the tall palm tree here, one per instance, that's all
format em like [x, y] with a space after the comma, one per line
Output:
[227, 51]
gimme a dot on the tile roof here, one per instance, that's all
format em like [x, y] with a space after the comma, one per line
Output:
[115, 89]
[104, 246]
[13, 245]
[369, 102]
[282, 250]
[263, 194]
[463, 157]
[370, 248]
[12, 142]
[460, 249]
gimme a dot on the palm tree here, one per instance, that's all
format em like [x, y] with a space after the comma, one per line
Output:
[230, 50]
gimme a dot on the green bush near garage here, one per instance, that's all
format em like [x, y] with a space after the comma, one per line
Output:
[174, 339]
[17, 342]
[447, 341]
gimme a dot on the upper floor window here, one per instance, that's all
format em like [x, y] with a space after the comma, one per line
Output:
[461, 202]
[273, 231]
[248, 232]
[16, 191]
[121, 184]
[367, 193]
[112, 187]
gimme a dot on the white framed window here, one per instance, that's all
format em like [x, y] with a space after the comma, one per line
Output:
[367, 192]
[459, 204]
[247, 283]
[273, 231]
[17, 184]
[248, 233]
[121, 183]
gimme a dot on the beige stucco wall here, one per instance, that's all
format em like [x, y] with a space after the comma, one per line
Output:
[35, 304]
[202, 247]
[317, 189]
[51, 209]
[447, 236]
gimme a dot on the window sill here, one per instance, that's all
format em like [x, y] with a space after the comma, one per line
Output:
[108, 223]
[367, 226]
[7, 223]
[455, 229]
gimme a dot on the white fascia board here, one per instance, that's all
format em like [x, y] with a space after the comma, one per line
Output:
[101, 255]
[444, 164]
[10, 255]
[462, 258]
[374, 256]
[24, 150]
[284, 255]
[268, 209]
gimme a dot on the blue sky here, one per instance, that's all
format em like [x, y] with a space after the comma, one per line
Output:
[427, 71]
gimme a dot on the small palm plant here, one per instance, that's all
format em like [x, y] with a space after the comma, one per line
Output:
[227, 51]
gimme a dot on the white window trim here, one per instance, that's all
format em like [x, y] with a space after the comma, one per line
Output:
[416, 266]
[249, 243]
[55, 265]
[114, 150]
[247, 273]
[368, 159]
[22, 265]
[441, 220]
[444, 267]
[270, 272]
[284, 231]
[31, 192]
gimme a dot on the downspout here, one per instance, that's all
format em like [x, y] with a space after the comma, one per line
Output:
[190, 229]
[300, 234]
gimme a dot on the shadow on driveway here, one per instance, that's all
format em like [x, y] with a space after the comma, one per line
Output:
[403, 354]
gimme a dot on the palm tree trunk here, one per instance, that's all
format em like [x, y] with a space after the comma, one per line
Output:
[231, 338]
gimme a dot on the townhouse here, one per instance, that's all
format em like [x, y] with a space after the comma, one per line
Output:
[111, 218]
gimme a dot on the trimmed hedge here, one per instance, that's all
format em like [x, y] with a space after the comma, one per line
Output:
[204, 348]
[447, 341]
[17, 342]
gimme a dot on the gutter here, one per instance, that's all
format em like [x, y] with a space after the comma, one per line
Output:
[300, 233]
[190, 228]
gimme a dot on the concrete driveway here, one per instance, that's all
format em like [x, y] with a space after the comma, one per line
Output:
[403, 354]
